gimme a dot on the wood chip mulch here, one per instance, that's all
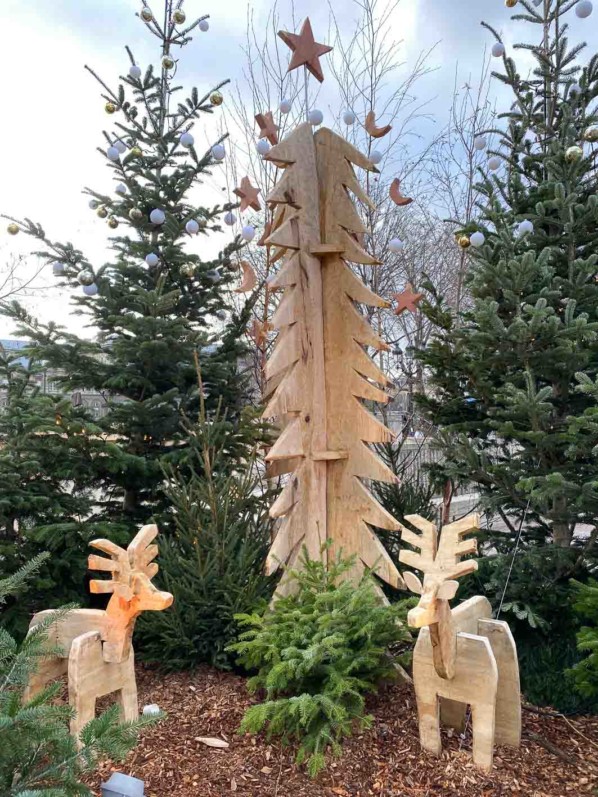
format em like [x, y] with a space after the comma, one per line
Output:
[558, 756]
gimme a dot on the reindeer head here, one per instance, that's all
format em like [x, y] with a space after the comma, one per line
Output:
[439, 561]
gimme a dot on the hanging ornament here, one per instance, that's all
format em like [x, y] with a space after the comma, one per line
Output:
[13, 228]
[136, 152]
[263, 146]
[285, 106]
[152, 259]
[57, 268]
[375, 156]
[187, 270]
[463, 241]
[216, 98]
[192, 227]
[110, 107]
[248, 195]
[396, 195]
[146, 15]
[525, 227]
[477, 239]
[179, 16]
[94, 204]
[134, 72]
[86, 277]
[479, 143]
[407, 300]
[498, 49]
[120, 146]
[157, 216]
[90, 290]
[248, 278]
[204, 25]
[349, 117]
[494, 163]
[306, 51]
[510, 3]
[112, 153]
[583, 9]
[230, 218]
[102, 212]
[214, 275]
[315, 117]
[267, 127]
[187, 140]
[135, 214]
[574, 154]
[248, 233]
[218, 152]
[121, 189]
[373, 129]
[221, 315]
[591, 134]
[395, 245]
[168, 62]
[113, 222]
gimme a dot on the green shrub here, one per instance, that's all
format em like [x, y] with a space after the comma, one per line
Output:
[318, 652]
[585, 672]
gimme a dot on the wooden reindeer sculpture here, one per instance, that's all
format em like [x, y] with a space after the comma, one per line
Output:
[462, 656]
[96, 649]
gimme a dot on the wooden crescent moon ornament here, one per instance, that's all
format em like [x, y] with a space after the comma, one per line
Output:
[372, 129]
[248, 278]
[396, 195]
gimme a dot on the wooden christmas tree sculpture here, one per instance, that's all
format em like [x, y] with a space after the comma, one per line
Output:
[319, 371]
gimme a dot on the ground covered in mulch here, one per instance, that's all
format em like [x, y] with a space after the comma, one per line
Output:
[558, 756]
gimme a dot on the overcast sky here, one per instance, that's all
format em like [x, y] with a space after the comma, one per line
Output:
[53, 115]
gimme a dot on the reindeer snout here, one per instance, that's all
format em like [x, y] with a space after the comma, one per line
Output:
[418, 617]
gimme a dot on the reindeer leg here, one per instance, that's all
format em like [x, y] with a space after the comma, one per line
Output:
[86, 670]
[482, 715]
[127, 694]
[428, 709]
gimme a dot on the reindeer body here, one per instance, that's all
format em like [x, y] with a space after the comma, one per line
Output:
[462, 657]
[96, 646]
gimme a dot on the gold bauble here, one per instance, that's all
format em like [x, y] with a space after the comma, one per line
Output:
[510, 3]
[187, 270]
[216, 98]
[113, 222]
[179, 16]
[591, 134]
[463, 241]
[136, 152]
[168, 62]
[146, 15]
[13, 228]
[574, 154]
[135, 214]
[102, 212]
[110, 107]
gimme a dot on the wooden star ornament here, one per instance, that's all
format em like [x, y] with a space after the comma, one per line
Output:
[407, 300]
[248, 195]
[267, 127]
[306, 51]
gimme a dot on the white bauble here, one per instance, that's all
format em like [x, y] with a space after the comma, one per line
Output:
[192, 227]
[94, 204]
[214, 275]
[498, 49]
[186, 139]
[349, 117]
[525, 227]
[218, 152]
[315, 117]
[152, 259]
[477, 239]
[151, 710]
[396, 245]
[204, 25]
[480, 142]
[375, 156]
[135, 72]
[121, 189]
[583, 9]
[90, 290]
[285, 106]
[230, 218]
[57, 268]
[221, 314]
[494, 164]
[120, 146]
[157, 216]
[263, 146]
[248, 233]
[112, 153]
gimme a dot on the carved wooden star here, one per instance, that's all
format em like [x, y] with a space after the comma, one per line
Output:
[407, 300]
[267, 127]
[306, 51]
[248, 194]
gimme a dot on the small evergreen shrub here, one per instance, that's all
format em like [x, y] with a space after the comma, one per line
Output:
[317, 653]
[585, 672]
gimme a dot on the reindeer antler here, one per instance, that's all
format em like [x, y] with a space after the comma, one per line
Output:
[441, 557]
[141, 554]
[117, 564]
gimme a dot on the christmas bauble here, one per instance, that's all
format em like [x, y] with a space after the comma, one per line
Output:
[157, 216]
[315, 117]
[179, 16]
[102, 213]
[395, 245]
[349, 117]
[463, 241]
[248, 233]
[152, 259]
[192, 227]
[285, 106]
[230, 218]
[204, 25]
[168, 62]
[13, 228]
[135, 72]
[113, 222]
[86, 277]
[57, 268]
[186, 139]
[218, 152]
[221, 314]
[583, 9]
[477, 239]
[121, 189]
[187, 270]
[375, 156]
[94, 204]
[510, 3]
[146, 15]
[479, 143]
[135, 214]
[493, 163]
[574, 154]
[216, 98]
[110, 107]
[136, 152]
[263, 146]
[90, 290]
[526, 227]
[120, 146]
[214, 275]
[112, 153]
[498, 49]
[591, 134]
